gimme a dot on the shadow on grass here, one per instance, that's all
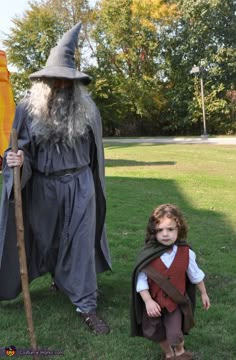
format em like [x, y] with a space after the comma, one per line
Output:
[112, 146]
[120, 145]
[129, 203]
[123, 162]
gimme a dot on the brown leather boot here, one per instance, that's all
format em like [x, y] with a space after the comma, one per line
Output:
[96, 325]
[187, 355]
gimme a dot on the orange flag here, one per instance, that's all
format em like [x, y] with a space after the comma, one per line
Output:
[7, 105]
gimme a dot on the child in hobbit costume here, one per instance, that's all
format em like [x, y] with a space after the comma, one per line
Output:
[163, 282]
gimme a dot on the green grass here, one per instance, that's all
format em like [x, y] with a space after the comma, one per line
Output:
[201, 180]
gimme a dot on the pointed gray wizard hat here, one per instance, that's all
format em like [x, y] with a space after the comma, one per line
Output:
[61, 61]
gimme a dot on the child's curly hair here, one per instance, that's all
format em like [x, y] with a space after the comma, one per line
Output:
[170, 211]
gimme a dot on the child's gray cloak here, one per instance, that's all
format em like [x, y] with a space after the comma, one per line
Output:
[63, 215]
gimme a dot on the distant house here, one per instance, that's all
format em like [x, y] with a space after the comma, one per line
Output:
[7, 106]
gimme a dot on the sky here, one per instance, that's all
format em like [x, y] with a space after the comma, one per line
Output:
[10, 9]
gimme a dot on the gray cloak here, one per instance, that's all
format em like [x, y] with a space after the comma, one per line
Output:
[63, 215]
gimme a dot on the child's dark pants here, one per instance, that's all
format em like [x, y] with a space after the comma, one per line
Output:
[166, 327]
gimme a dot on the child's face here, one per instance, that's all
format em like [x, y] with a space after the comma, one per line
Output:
[167, 231]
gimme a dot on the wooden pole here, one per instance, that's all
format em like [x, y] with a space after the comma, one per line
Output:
[21, 246]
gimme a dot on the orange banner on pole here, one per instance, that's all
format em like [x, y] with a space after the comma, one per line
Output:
[7, 105]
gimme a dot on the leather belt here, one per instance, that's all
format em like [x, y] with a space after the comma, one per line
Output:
[61, 172]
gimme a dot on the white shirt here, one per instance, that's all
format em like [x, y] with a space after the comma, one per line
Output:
[195, 274]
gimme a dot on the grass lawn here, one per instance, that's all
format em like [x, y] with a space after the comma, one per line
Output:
[201, 180]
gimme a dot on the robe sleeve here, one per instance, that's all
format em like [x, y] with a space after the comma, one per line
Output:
[24, 144]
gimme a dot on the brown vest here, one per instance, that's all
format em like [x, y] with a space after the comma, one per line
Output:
[176, 274]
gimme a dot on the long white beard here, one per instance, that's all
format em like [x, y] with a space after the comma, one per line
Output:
[60, 115]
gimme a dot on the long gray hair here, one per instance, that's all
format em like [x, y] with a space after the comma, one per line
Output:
[60, 115]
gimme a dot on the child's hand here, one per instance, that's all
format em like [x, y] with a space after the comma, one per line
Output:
[205, 301]
[153, 308]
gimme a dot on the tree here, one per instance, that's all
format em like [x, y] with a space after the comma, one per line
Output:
[204, 36]
[69, 13]
[127, 55]
[29, 43]
[140, 54]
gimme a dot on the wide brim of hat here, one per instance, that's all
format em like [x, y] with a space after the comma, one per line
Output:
[61, 72]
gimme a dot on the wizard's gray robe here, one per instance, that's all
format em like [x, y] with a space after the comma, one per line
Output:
[63, 215]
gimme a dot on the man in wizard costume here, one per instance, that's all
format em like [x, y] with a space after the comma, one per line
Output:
[63, 190]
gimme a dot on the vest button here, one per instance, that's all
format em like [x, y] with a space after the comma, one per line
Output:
[165, 296]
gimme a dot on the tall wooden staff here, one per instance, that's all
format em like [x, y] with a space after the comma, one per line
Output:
[21, 246]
